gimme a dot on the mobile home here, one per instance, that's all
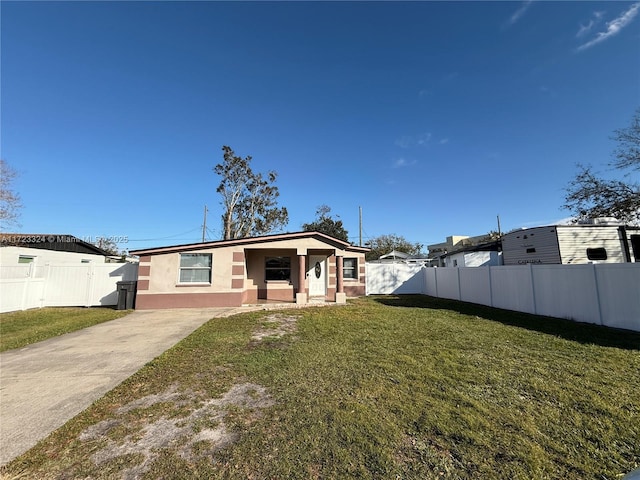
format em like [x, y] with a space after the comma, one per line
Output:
[571, 244]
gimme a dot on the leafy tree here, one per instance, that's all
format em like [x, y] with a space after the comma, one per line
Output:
[248, 198]
[386, 243]
[492, 236]
[10, 203]
[589, 196]
[326, 224]
[108, 245]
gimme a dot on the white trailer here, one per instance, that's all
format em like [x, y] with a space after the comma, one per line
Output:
[571, 244]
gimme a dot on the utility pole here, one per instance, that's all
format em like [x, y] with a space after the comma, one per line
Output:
[499, 231]
[360, 223]
[204, 224]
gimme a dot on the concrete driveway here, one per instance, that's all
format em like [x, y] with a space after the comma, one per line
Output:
[44, 385]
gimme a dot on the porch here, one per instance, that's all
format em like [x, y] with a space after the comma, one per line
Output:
[289, 275]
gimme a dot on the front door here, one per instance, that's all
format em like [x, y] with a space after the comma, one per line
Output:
[317, 274]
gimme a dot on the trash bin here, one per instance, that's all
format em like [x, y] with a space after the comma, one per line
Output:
[126, 295]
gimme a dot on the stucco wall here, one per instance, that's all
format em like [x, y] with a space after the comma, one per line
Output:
[162, 272]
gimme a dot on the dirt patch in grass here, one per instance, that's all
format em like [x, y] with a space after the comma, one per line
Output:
[177, 433]
[275, 326]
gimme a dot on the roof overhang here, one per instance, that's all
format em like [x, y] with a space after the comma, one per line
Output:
[253, 241]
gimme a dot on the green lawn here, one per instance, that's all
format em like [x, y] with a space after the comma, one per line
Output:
[18, 329]
[386, 387]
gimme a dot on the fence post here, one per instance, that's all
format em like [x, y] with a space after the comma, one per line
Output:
[490, 287]
[45, 278]
[25, 287]
[90, 281]
[595, 281]
[459, 286]
[424, 280]
[533, 290]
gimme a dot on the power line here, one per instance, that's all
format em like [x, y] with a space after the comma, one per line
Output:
[164, 238]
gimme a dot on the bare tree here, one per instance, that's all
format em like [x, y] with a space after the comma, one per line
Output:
[628, 151]
[248, 198]
[589, 196]
[10, 203]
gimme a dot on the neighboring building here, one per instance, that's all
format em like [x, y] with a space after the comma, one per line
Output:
[439, 251]
[294, 267]
[40, 249]
[571, 244]
[453, 242]
[396, 256]
[483, 255]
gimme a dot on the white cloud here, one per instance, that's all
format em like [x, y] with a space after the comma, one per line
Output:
[585, 29]
[408, 141]
[443, 141]
[423, 139]
[613, 27]
[520, 12]
[404, 142]
[403, 162]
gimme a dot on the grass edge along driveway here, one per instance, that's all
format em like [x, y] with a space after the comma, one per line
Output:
[21, 328]
[385, 387]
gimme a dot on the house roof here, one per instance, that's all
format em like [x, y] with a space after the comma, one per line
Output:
[250, 241]
[494, 246]
[50, 241]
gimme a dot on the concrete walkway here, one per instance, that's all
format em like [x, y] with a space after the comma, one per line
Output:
[44, 385]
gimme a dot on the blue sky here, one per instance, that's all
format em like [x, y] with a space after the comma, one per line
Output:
[434, 117]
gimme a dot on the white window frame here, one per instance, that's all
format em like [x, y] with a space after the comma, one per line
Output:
[356, 272]
[181, 268]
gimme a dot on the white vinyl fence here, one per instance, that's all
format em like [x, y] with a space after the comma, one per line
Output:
[604, 294]
[62, 285]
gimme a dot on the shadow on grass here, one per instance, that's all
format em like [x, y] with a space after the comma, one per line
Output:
[569, 330]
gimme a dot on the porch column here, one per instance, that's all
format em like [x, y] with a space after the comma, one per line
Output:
[339, 274]
[301, 294]
[341, 297]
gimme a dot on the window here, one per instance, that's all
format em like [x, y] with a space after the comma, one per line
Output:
[596, 253]
[195, 268]
[350, 268]
[531, 250]
[25, 259]
[277, 268]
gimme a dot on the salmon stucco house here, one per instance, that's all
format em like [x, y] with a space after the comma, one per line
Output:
[293, 267]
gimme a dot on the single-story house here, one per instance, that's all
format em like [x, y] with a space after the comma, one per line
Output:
[484, 255]
[396, 256]
[40, 249]
[293, 267]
